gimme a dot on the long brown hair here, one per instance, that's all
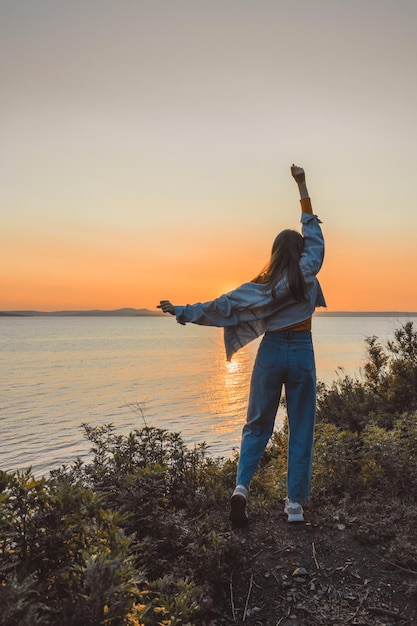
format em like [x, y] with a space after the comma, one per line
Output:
[284, 262]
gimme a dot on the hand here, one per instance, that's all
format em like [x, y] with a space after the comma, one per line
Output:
[166, 307]
[298, 174]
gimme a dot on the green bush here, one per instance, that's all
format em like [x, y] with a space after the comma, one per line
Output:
[366, 447]
[64, 558]
[387, 390]
[105, 542]
[337, 460]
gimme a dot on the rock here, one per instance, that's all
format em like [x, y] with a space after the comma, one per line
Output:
[252, 612]
[299, 571]
[348, 596]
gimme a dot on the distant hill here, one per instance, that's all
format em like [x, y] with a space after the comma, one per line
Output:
[126, 312]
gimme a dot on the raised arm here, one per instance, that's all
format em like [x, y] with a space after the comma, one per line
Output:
[313, 254]
[300, 178]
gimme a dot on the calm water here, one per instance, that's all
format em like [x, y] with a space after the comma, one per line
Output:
[59, 372]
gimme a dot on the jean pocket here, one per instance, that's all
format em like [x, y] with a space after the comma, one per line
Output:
[267, 357]
[305, 359]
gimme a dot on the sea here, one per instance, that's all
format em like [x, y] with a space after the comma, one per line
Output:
[57, 373]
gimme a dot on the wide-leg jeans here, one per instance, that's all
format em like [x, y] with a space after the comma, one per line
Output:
[284, 358]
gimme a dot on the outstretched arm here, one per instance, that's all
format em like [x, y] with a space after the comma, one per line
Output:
[300, 178]
[166, 306]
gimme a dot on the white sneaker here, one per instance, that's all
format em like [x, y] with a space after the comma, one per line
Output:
[238, 508]
[294, 511]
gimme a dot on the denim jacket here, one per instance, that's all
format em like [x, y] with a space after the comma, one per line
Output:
[252, 309]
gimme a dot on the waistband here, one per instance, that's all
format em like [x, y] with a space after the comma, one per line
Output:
[289, 334]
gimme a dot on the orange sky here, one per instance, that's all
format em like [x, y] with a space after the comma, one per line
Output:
[112, 271]
[151, 159]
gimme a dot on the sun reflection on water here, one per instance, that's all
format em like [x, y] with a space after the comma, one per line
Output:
[232, 366]
[228, 388]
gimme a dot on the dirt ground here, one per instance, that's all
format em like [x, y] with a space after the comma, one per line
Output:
[315, 574]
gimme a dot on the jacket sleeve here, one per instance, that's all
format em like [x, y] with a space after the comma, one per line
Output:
[218, 312]
[247, 303]
[313, 253]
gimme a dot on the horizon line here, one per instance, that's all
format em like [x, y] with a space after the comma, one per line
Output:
[132, 311]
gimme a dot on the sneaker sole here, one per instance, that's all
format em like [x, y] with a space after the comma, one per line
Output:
[238, 512]
[295, 517]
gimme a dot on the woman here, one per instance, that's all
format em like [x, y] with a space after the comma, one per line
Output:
[278, 303]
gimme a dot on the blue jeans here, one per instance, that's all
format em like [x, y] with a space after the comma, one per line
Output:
[284, 358]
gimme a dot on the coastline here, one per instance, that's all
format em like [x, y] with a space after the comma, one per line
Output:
[125, 312]
[132, 312]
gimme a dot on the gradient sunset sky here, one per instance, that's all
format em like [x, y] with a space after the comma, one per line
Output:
[146, 147]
